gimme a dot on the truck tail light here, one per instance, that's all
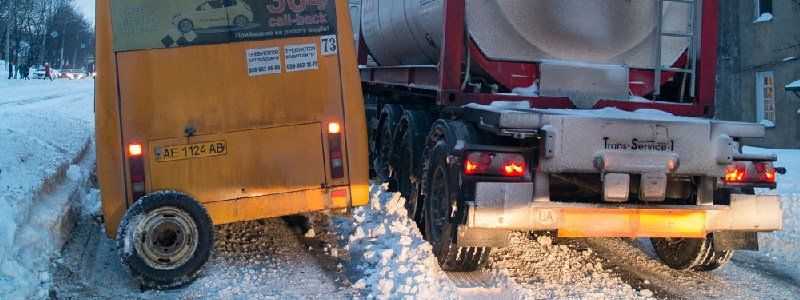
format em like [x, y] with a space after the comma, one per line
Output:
[748, 171]
[136, 166]
[335, 150]
[495, 164]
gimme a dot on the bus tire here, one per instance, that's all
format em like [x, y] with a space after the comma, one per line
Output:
[164, 239]
[696, 254]
[440, 226]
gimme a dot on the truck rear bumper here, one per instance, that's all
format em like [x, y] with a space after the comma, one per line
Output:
[509, 206]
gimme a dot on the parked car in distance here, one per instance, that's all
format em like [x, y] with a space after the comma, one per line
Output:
[38, 74]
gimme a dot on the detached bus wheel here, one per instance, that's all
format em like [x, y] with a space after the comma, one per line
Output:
[164, 239]
[690, 254]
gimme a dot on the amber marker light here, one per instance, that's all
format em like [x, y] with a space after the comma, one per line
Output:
[135, 149]
[334, 128]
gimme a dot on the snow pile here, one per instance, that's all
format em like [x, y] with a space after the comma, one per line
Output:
[767, 123]
[45, 137]
[795, 84]
[783, 246]
[388, 248]
[763, 18]
[532, 91]
[536, 269]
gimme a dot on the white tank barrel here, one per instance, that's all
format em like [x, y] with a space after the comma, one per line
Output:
[619, 32]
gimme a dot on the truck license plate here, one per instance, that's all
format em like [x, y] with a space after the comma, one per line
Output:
[188, 151]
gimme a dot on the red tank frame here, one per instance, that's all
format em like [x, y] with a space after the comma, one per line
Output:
[446, 78]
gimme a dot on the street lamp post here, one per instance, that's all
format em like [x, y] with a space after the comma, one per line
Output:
[75, 56]
[63, 37]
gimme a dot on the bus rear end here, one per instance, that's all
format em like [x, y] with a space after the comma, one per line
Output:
[212, 112]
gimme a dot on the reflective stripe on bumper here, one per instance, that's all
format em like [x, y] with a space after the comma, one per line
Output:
[509, 206]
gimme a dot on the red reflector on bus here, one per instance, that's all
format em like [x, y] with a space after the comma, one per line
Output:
[339, 193]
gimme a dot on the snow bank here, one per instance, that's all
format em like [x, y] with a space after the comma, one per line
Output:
[783, 247]
[388, 248]
[763, 18]
[45, 137]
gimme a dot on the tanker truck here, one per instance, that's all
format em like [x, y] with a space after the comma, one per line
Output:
[583, 118]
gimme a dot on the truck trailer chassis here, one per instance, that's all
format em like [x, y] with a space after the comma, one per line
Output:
[475, 159]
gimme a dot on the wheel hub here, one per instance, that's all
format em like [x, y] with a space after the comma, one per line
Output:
[168, 238]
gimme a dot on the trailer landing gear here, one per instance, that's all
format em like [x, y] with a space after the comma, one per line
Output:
[164, 239]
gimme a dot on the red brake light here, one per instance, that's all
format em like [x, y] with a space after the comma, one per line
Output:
[745, 171]
[494, 164]
[514, 169]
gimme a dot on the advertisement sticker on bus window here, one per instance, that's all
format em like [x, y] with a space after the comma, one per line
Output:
[301, 57]
[264, 61]
[153, 24]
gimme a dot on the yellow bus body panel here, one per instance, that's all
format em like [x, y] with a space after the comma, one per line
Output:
[274, 126]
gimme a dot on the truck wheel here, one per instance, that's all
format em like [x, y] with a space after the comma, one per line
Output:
[406, 162]
[390, 116]
[164, 239]
[440, 229]
[690, 254]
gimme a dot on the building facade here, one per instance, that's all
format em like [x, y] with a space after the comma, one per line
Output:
[759, 55]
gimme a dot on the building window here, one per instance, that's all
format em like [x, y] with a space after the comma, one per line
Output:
[765, 99]
[763, 10]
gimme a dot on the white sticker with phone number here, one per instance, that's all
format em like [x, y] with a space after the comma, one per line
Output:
[301, 57]
[263, 61]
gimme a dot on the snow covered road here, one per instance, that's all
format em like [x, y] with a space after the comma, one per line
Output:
[46, 130]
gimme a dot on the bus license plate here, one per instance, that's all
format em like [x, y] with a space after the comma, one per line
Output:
[181, 152]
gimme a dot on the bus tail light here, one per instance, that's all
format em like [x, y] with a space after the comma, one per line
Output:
[335, 150]
[136, 166]
[495, 164]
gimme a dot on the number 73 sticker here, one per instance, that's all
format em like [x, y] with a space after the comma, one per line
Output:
[330, 46]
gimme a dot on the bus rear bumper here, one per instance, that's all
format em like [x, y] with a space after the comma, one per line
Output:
[509, 206]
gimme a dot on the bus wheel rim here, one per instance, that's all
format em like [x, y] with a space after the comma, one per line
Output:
[168, 238]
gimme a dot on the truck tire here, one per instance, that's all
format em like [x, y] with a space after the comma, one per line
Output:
[384, 139]
[438, 217]
[696, 254]
[164, 239]
[406, 162]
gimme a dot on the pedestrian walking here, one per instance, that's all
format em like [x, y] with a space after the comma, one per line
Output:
[47, 71]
